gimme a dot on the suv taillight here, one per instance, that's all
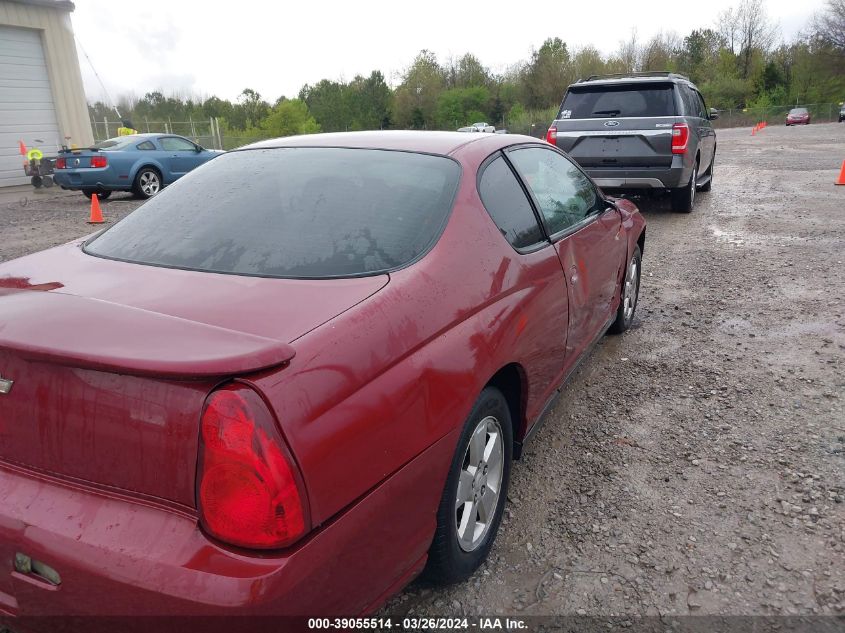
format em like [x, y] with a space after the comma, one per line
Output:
[61, 163]
[680, 138]
[249, 491]
[99, 161]
[551, 135]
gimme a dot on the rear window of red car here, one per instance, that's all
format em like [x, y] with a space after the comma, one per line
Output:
[292, 212]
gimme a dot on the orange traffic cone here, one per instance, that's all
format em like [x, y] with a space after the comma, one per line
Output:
[754, 130]
[22, 148]
[841, 179]
[96, 213]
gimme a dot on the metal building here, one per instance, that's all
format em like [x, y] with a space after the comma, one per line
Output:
[42, 101]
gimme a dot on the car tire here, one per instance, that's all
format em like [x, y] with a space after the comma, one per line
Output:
[147, 182]
[683, 198]
[707, 186]
[463, 537]
[36, 181]
[102, 195]
[629, 294]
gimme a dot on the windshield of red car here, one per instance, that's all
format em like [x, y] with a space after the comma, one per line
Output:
[292, 212]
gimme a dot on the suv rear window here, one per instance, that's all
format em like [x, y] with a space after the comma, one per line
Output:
[292, 212]
[596, 101]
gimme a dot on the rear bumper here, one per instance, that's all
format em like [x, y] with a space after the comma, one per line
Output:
[120, 557]
[101, 179]
[677, 175]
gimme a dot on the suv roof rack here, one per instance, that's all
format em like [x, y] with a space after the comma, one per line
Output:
[651, 73]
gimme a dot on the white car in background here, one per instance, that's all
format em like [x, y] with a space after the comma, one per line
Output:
[478, 127]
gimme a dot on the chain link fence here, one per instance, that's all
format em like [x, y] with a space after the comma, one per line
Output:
[748, 117]
[205, 132]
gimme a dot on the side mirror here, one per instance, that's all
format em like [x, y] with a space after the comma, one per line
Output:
[714, 114]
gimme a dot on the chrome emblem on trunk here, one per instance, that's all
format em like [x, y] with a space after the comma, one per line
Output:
[611, 123]
[5, 385]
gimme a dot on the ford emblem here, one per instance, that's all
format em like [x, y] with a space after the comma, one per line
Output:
[611, 123]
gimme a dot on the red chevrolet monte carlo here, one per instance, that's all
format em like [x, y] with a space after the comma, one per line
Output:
[298, 377]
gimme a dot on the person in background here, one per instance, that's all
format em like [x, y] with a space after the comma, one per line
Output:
[126, 128]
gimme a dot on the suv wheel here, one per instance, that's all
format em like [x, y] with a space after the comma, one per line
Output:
[683, 198]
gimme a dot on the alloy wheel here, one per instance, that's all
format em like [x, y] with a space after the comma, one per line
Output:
[150, 183]
[631, 289]
[479, 484]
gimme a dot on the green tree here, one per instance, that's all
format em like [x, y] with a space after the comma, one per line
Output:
[289, 117]
[468, 72]
[416, 97]
[698, 54]
[547, 74]
[586, 62]
[462, 106]
[369, 101]
[249, 111]
[326, 103]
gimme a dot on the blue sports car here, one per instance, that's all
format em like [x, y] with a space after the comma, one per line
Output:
[141, 163]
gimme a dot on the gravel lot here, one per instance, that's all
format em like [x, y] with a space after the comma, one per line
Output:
[695, 464]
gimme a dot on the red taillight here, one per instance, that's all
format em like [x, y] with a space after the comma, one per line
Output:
[99, 161]
[249, 492]
[680, 138]
[61, 163]
[551, 135]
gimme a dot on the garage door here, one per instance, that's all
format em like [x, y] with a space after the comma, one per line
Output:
[27, 112]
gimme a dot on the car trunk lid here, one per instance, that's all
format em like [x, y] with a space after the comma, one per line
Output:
[111, 394]
[110, 366]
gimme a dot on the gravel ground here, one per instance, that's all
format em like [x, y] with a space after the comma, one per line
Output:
[693, 465]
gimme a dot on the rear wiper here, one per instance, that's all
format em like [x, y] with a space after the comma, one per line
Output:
[608, 112]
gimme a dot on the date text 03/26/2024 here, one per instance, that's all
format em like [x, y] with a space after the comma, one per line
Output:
[419, 623]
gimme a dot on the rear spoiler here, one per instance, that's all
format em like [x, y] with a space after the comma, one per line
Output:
[65, 329]
[77, 150]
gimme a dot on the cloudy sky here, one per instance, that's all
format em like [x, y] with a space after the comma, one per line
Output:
[211, 48]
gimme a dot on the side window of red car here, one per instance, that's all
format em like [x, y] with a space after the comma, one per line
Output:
[508, 205]
[563, 193]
